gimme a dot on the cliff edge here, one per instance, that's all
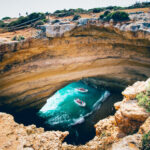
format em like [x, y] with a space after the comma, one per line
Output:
[122, 131]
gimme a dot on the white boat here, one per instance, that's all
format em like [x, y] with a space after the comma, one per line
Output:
[80, 102]
[83, 90]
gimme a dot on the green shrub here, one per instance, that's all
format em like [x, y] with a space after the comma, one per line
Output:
[45, 20]
[70, 12]
[18, 38]
[146, 141]
[101, 16]
[55, 21]
[65, 14]
[117, 16]
[76, 17]
[36, 15]
[2, 24]
[40, 22]
[106, 12]
[79, 10]
[27, 19]
[144, 98]
[139, 5]
[97, 10]
[6, 18]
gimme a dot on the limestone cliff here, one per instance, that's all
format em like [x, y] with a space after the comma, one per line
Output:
[32, 70]
[15, 136]
[122, 131]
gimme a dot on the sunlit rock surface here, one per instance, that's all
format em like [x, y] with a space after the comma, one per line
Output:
[31, 71]
[109, 135]
[130, 116]
[15, 136]
[57, 30]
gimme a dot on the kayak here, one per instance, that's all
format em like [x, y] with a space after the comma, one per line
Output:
[82, 90]
[80, 102]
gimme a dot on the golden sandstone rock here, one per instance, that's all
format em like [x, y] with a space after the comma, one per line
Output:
[116, 132]
[14, 136]
[33, 70]
[130, 116]
[39, 67]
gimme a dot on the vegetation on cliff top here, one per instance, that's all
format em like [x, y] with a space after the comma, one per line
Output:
[116, 16]
[18, 38]
[24, 21]
[6, 18]
[146, 141]
[76, 17]
[33, 17]
[70, 12]
[144, 98]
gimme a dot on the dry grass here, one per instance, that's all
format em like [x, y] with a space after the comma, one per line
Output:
[28, 32]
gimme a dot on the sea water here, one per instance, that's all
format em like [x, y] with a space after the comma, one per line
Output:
[62, 112]
[61, 109]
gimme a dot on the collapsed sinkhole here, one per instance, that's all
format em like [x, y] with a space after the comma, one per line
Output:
[81, 132]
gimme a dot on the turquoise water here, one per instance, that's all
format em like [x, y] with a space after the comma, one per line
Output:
[60, 109]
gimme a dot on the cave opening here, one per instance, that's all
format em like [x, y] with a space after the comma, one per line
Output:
[82, 119]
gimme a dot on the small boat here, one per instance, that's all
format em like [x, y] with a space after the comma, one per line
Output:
[80, 102]
[82, 90]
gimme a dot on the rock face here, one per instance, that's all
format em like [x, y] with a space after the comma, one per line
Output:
[15, 136]
[130, 116]
[112, 133]
[57, 30]
[31, 71]
[145, 128]
[131, 142]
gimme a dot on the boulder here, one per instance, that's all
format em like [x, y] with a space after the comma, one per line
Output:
[131, 91]
[145, 128]
[131, 142]
[57, 30]
[15, 136]
[83, 21]
[130, 116]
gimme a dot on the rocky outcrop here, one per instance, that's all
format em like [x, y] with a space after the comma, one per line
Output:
[130, 116]
[15, 136]
[139, 21]
[122, 131]
[145, 128]
[32, 70]
[131, 142]
[57, 30]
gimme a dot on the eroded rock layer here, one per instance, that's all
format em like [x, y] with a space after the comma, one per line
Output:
[15, 136]
[31, 71]
[118, 132]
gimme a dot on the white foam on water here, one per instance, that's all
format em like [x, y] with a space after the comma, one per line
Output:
[77, 121]
[96, 106]
[102, 99]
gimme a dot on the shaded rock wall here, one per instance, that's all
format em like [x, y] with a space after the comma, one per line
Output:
[33, 70]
